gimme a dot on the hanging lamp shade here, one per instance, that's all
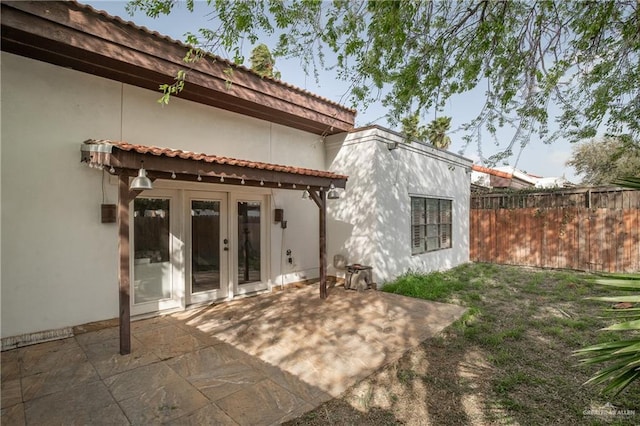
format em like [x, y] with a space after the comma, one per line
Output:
[333, 193]
[141, 182]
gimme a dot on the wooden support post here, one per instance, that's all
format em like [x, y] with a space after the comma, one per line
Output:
[124, 197]
[323, 244]
[320, 199]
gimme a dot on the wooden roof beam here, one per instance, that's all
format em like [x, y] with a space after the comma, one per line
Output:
[73, 35]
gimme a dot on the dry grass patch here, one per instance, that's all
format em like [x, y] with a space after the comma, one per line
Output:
[507, 361]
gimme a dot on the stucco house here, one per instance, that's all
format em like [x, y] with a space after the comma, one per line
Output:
[406, 207]
[228, 162]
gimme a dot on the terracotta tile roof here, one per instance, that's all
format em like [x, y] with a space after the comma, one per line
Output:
[187, 155]
[212, 56]
[489, 171]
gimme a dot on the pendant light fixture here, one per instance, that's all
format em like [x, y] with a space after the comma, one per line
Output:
[333, 193]
[141, 182]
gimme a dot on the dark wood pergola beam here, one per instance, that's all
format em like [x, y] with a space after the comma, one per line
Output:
[125, 196]
[162, 167]
[124, 285]
[321, 201]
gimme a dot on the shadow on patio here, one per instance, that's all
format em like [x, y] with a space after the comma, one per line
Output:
[258, 360]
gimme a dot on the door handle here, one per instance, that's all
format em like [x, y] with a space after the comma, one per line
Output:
[225, 241]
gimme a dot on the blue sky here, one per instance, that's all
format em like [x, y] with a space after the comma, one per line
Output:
[536, 158]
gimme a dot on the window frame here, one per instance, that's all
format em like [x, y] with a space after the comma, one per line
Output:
[431, 224]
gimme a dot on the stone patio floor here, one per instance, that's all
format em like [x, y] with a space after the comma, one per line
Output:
[254, 361]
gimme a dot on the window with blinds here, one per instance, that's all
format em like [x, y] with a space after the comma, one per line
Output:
[430, 224]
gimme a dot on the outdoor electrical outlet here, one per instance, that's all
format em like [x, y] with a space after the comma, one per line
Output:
[289, 258]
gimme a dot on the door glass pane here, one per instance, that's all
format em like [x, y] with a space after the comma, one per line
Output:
[205, 246]
[248, 242]
[151, 264]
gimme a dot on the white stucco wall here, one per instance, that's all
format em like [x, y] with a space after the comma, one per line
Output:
[59, 263]
[371, 223]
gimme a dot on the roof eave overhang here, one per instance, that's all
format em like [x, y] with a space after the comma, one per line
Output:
[71, 35]
[117, 162]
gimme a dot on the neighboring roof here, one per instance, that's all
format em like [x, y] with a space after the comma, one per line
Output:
[497, 178]
[101, 152]
[518, 179]
[487, 170]
[77, 36]
[519, 174]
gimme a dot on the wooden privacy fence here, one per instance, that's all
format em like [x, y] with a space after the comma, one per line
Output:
[586, 229]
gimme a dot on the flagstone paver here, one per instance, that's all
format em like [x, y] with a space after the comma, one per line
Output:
[271, 402]
[11, 392]
[86, 404]
[105, 356]
[209, 415]
[13, 415]
[253, 361]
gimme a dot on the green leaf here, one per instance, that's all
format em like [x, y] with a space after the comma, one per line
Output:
[602, 347]
[630, 325]
[631, 299]
[630, 347]
[421, 53]
[629, 284]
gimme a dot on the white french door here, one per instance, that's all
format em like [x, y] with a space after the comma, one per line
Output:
[208, 247]
[249, 258]
[191, 246]
[154, 248]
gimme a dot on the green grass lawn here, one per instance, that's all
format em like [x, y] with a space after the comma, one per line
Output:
[509, 357]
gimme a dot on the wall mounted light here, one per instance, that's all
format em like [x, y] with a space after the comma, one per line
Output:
[199, 177]
[305, 195]
[173, 175]
[278, 215]
[141, 182]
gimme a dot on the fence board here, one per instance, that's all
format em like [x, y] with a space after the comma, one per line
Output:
[605, 237]
[537, 237]
[552, 232]
[583, 241]
[572, 256]
[632, 242]
[473, 236]
[493, 242]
